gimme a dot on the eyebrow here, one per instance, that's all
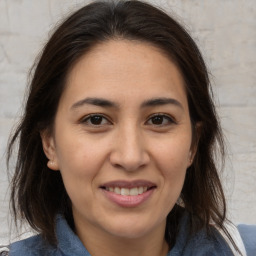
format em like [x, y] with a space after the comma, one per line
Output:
[96, 102]
[161, 101]
[110, 104]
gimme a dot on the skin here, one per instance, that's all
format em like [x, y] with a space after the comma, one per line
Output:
[127, 144]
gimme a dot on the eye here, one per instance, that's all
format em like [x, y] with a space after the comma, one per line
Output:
[160, 120]
[95, 120]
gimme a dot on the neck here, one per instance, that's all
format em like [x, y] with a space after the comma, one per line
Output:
[99, 243]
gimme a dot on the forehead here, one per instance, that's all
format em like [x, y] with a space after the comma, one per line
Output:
[119, 68]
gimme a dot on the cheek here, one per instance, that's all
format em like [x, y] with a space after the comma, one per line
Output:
[78, 154]
[172, 158]
[79, 163]
[79, 167]
[173, 153]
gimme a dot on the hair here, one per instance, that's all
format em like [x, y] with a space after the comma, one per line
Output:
[37, 193]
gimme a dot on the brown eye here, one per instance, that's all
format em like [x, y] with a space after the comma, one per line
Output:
[157, 120]
[95, 120]
[160, 120]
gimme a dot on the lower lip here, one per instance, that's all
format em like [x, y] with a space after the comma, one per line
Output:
[128, 201]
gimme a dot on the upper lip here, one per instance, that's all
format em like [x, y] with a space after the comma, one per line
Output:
[128, 184]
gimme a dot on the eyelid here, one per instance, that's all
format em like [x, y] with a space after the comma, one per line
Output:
[85, 119]
[168, 116]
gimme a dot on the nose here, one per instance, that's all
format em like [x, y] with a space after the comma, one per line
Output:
[129, 150]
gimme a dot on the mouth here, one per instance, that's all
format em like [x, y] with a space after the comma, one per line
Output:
[127, 191]
[128, 194]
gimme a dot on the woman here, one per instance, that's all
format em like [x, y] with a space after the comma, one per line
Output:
[117, 142]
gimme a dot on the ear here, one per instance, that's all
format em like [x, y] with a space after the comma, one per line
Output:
[195, 140]
[50, 150]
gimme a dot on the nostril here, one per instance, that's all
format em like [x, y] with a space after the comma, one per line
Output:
[118, 166]
[128, 162]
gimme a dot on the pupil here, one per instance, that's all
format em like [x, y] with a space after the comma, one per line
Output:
[157, 120]
[96, 119]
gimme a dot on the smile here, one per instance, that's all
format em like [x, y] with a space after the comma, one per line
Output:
[126, 191]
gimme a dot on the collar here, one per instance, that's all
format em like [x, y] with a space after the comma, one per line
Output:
[68, 241]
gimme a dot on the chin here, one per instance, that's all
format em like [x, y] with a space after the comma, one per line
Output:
[132, 229]
[129, 232]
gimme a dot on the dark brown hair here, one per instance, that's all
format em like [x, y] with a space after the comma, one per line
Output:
[38, 193]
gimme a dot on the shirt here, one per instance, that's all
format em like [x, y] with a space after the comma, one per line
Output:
[70, 245]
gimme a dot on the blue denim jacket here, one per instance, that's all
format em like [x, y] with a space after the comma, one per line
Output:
[70, 245]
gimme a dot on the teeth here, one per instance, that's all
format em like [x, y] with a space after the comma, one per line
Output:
[126, 191]
[117, 190]
[134, 192]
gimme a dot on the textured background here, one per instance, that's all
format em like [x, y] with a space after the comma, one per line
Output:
[225, 31]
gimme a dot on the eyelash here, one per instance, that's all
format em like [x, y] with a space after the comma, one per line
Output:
[169, 119]
[88, 120]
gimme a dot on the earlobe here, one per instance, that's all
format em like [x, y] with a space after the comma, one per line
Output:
[49, 148]
[190, 159]
[52, 165]
[194, 144]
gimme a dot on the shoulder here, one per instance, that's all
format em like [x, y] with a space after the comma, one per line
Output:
[210, 244]
[34, 245]
[248, 235]
[67, 243]
[200, 243]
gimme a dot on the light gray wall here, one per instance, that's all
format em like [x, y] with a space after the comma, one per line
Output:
[225, 31]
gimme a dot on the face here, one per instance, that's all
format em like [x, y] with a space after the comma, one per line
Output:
[122, 139]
